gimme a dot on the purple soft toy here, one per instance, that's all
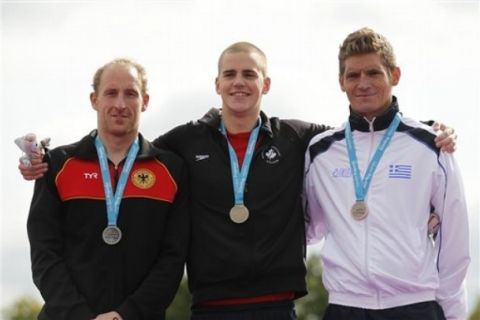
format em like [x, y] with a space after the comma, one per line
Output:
[29, 145]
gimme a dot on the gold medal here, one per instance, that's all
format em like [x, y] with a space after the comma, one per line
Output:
[239, 213]
[359, 210]
[111, 235]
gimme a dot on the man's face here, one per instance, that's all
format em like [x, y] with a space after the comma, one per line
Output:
[119, 100]
[368, 84]
[241, 83]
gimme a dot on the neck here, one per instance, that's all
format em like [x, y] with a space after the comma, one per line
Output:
[381, 111]
[117, 146]
[239, 124]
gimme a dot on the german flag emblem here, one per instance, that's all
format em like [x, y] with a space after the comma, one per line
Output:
[143, 178]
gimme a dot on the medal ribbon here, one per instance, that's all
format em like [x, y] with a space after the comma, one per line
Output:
[113, 201]
[239, 177]
[361, 187]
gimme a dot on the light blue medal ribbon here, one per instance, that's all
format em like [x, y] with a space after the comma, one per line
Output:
[239, 212]
[112, 233]
[359, 210]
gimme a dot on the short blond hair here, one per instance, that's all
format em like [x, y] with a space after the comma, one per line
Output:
[366, 41]
[246, 47]
[142, 74]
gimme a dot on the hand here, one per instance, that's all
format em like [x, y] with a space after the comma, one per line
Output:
[35, 170]
[112, 315]
[447, 138]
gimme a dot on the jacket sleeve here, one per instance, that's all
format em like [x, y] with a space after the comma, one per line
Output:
[172, 140]
[314, 215]
[50, 273]
[158, 289]
[453, 241]
[160, 142]
[306, 130]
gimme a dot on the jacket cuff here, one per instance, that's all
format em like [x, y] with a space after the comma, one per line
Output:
[81, 311]
[128, 310]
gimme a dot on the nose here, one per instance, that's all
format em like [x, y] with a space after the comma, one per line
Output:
[364, 82]
[120, 102]
[238, 81]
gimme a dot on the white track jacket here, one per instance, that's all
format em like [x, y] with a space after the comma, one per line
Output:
[388, 259]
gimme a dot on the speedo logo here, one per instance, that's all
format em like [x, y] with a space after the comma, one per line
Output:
[342, 173]
[200, 157]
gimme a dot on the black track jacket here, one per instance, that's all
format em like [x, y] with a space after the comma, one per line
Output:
[266, 253]
[78, 275]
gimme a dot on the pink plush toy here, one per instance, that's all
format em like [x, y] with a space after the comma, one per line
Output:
[29, 145]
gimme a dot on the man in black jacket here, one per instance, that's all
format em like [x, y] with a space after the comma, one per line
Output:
[108, 224]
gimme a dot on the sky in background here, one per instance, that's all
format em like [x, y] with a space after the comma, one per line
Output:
[50, 50]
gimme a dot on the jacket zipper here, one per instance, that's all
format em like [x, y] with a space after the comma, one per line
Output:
[367, 242]
[371, 150]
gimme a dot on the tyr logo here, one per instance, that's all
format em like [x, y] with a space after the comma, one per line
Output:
[90, 175]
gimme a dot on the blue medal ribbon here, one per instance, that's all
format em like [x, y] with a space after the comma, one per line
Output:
[113, 200]
[239, 177]
[361, 187]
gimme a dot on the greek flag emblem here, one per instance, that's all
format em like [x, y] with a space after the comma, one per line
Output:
[400, 171]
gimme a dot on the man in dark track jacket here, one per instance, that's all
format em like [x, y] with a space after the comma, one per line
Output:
[109, 224]
[248, 244]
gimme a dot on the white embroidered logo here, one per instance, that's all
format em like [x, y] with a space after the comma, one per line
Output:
[200, 157]
[271, 155]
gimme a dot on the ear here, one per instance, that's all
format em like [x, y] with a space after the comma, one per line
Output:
[93, 100]
[217, 85]
[145, 100]
[340, 81]
[266, 85]
[396, 73]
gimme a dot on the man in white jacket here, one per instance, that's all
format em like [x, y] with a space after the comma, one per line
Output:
[369, 187]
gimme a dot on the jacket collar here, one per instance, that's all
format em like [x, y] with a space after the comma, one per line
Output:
[212, 119]
[360, 123]
[85, 148]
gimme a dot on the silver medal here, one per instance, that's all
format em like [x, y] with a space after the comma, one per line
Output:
[112, 235]
[359, 210]
[239, 214]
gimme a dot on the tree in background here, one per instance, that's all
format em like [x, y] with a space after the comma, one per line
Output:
[180, 307]
[313, 305]
[25, 308]
[476, 312]
[310, 307]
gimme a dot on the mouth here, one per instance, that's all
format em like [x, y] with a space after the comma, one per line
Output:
[364, 95]
[239, 94]
[119, 115]
[119, 118]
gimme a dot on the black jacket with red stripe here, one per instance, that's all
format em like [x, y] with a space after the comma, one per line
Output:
[266, 253]
[80, 276]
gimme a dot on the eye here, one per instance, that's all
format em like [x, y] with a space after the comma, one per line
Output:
[250, 74]
[352, 75]
[228, 74]
[374, 72]
[132, 93]
[110, 92]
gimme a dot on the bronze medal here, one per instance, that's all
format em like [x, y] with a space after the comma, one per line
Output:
[359, 210]
[111, 235]
[239, 214]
